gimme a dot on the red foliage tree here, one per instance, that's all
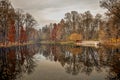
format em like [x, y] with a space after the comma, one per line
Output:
[54, 32]
[57, 32]
[11, 32]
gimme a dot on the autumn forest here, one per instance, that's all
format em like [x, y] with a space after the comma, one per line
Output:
[16, 26]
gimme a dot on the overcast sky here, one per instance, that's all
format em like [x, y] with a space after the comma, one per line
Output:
[50, 11]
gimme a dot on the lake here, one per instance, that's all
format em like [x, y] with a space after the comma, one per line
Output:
[56, 62]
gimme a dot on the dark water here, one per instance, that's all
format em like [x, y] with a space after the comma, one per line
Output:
[52, 62]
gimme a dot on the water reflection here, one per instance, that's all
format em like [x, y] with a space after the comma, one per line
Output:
[16, 61]
[85, 60]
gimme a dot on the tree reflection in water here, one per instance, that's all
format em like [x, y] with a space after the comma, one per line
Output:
[15, 61]
[85, 60]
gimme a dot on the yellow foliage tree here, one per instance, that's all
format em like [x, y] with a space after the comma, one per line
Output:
[75, 37]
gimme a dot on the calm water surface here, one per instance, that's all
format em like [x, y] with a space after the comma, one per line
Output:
[53, 62]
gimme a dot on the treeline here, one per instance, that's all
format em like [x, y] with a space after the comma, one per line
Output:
[89, 26]
[74, 22]
[16, 26]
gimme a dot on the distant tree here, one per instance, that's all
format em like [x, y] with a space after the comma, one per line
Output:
[87, 20]
[95, 27]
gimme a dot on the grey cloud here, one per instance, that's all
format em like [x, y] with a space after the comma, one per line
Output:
[44, 4]
[46, 11]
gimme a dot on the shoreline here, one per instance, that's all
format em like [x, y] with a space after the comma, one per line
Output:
[83, 43]
[69, 43]
[15, 44]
